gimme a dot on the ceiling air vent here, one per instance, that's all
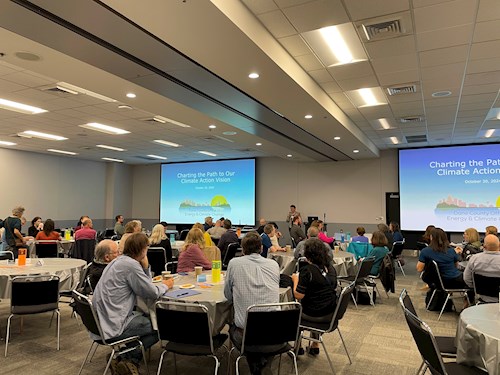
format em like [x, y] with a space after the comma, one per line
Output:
[57, 89]
[411, 119]
[382, 30]
[400, 90]
[416, 138]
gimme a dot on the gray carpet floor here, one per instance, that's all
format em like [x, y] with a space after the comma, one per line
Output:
[377, 338]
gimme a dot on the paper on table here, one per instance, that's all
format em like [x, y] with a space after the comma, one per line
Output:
[181, 293]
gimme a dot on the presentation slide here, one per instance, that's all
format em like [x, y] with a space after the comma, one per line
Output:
[453, 188]
[190, 192]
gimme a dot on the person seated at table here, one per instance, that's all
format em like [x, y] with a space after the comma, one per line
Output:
[471, 246]
[250, 279]
[119, 228]
[79, 225]
[192, 252]
[379, 251]
[262, 223]
[315, 288]
[396, 232]
[361, 235]
[105, 252]
[277, 235]
[267, 246]
[48, 233]
[439, 250]
[385, 229]
[209, 223]
[312, 232]
[490, 229]
[206, 236]
[158, 238]
[122, 282]
[227, 238]
[322, 236]
[216, 231]
[133, 226]
[86, 232]
[296, 231]
[486, 264]
[36, 226]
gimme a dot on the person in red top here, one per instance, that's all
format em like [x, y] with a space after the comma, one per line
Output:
[86, 232]
[192, 255]
[48, 232]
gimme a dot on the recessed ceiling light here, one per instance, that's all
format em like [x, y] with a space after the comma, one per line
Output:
[253, 75]
[355, 151]
[212, 126]
[157, 157]
[28, 56]
[308, 116]
[489, 133]
[441, 94]
[336, 138]
[124, 106]
[289, 155]
[131, 95]
[115, 160]
[207, 153]
[166, 143]
[6, 143]
[229, 133]
[258, 144]
[62, 151]
[394, 140]
[367, 97]
[111, 148]
[20, 107]
[104, 128]
[50, 137]
[72, 89]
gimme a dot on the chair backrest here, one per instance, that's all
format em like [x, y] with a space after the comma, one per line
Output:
[34, 294]
[342, 304]
[365, 268]
[271, 324]
[157, 258]
[183, 234]
[359, 249]
[421, 245]
[84, 249]
[109, 232]
[231, 251]
[47, 249]
[184, 323]
[171, 266]
[6, 255]
[406, 303]
[84, 274]
[438, 274]
[397, 248]
[294, 243]
[212, 253]
[84, 308]
[426, 343]
[485, 285]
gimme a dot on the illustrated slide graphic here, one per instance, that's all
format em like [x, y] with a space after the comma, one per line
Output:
[450, 187]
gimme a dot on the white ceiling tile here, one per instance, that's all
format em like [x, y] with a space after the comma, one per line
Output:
[384, 65]
[346, 71]
[453, 36]
[316, 14]
[391, 47]
[488, 10]
[260, 6]
[321, 76]
[290, 3]
[396, 78]
[485, 50]
[361, 9]
[444, 15]
[484, 65]
[277, 24]
[481, 98]
[309, 62]
[442, 102]
[433, 73]
[482, 78]
[486, 31]
[330, 87]
[412, 97]
[358, 83]
[426, 3]
[25, 79]
[9, 86]
[444, 56]
[295, 45]
[484, 105]
[7, 68]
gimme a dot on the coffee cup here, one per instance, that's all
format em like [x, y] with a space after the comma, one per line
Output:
[166, 274]
[288, 248]
[337, 248]
[198, 270]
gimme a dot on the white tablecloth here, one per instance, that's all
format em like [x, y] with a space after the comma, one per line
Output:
[67, 269]
[478, 337]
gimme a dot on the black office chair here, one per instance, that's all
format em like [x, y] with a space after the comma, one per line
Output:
[191, 334]
[449, 292]
[485, 286]
[34, 295]
[362, 278]
[322, 328]
[87, 313]
[294, 243]
[267, 327]
[397, 250]
[231, 252]
[6, 255]
[47, 249]
[429, 351]
[157, 258]
[109, 233]
[183, 234]
[171, 266]
[84, 249]
[445, 344]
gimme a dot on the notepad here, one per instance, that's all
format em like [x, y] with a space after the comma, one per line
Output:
[181, 293]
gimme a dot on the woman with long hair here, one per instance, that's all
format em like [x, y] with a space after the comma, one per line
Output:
[158, 238]
[35, 226]
[48, 233]
[396, 232]
[192, 255]
[472, 244]
[321, 235]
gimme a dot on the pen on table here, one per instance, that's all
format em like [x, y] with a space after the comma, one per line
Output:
[182, 294]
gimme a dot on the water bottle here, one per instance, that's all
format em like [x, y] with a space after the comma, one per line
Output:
[172, 239]
[348, 236]
[341, 235]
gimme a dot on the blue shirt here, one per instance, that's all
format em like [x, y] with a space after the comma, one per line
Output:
[359, 239]
[397, 236]
[266, 244]
[445, 261]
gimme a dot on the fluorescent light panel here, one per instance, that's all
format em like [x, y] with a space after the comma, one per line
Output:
[488, 133]
[111, 148]
[115, 160]
[6, 143]
[47, 136]
[336, 45]
[72, 89]
[166, 143]
[207, 153]
[157, 157]
[61, 151]
[493, 114]
[367, 97]
[20, 107]
[104, 128]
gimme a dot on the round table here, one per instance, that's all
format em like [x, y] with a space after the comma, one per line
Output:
[68, 270]
[478, 337]
[286, 261]
[344, 263]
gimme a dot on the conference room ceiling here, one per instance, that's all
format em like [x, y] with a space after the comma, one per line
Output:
[417, 47]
